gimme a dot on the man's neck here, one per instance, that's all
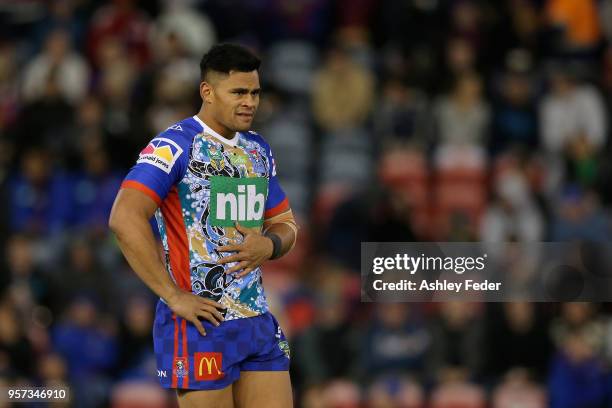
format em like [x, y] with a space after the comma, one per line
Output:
[216, 126]
[231, 140]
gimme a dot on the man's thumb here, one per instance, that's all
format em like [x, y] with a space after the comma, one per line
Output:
[243, 230]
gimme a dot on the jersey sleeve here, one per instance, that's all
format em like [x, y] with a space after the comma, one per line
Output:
[277, 202]
[160, 165]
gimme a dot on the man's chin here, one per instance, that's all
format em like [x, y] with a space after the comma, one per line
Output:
[242, 126]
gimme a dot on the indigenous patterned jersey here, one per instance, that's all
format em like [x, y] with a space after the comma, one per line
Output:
[204, 183]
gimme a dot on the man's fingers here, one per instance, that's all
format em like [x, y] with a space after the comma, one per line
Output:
[231, 258]
[245, 272]
[229, 248]
[196, 322]
[215, 313]
[238, 267]
[210, 302]
[243, 230]
[205, 314]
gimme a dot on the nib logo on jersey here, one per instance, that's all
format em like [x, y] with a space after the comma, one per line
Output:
[161, 153]
[237, 199]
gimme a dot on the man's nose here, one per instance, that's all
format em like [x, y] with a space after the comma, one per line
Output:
[250, 101]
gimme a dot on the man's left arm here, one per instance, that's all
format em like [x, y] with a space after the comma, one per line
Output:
[277, 239]
[282, 231]
[279, 230]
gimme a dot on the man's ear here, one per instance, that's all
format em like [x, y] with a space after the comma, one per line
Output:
[206, 91]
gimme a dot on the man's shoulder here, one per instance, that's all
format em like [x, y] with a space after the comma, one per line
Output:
[180, 134]
[171, 145]
[183, 129]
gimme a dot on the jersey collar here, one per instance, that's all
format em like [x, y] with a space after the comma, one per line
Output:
[208, 130]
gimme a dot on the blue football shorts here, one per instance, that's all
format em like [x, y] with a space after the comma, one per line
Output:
[188, 360]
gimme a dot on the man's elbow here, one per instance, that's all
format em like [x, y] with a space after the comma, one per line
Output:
[114, 222]
[119, 220]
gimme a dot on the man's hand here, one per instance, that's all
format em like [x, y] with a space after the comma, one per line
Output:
[254, 250]
[191, 307]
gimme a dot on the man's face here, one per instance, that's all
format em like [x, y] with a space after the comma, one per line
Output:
[232, 98]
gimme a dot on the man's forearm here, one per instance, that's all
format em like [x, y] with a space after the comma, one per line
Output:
[287, 235]
[139, 247]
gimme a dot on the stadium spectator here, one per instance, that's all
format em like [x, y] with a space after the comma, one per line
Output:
[515, 121]
[395, 392]
[327, 350]
[575, 24]
[518, 388]
[89, 349]
[35, 116]
[513, 214]
[83, 275]
[572, 116]
[122, 21]
[576, 376]
[402, 114]
[70, 70]
[38, 196]
[463, 115]
[520, 330]
[456, 343]
[17, 358]
[65, 15]
[115, 84]
[578, 319]
[52, 370]
[10, 100]
[134, 340]
[94, 190]
[395, 343]
[180, 21]
[579, 216]
[343, 92]
[29, 286]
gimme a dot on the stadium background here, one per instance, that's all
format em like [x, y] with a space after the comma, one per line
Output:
[391, 120]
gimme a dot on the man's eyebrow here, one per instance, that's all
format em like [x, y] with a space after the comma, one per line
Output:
[245, 90]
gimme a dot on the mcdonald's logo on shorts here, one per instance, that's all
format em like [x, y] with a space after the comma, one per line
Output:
[208, 366]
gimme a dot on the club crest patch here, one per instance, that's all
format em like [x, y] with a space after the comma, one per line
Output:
[283, 345]
[180, 369]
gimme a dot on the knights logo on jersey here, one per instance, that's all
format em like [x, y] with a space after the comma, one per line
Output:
[180, 367]
[161, 153]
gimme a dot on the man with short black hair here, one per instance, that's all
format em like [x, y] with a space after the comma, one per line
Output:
[211, 184]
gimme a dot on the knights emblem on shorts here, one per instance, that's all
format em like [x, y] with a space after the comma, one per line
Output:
[180, 367]
[284, 347]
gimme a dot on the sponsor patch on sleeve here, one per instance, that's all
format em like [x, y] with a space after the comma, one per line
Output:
[161, 153]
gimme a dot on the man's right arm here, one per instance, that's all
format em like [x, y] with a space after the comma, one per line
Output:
[129, 221]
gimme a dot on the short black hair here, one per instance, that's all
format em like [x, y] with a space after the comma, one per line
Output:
[228, 57]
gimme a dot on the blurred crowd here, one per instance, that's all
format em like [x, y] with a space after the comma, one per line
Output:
[390, 120]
